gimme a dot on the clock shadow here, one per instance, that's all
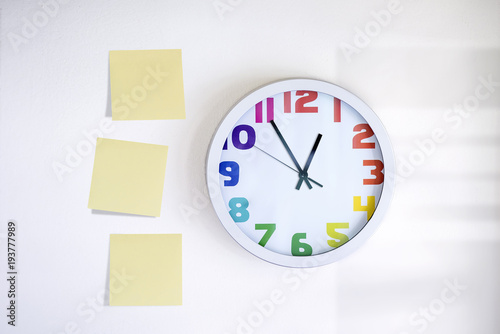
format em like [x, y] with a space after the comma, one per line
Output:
[201, 131]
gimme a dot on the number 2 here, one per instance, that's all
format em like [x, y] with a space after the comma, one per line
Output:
[307, 96]
[366, 132]
[300, 104]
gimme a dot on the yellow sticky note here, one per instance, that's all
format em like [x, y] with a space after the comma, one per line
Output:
[146, 84]
[145, 269]
[128, 177]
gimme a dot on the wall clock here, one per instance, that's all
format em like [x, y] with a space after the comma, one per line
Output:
[297, 172]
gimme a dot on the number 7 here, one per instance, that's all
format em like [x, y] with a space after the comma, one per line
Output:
[270, 230]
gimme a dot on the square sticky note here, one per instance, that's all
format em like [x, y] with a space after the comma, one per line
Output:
[128, 177]
[145, 269]
[146, 84]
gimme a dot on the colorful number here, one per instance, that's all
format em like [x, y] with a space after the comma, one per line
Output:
[307, 96]
[239, 212]
[369, 207]
[270, 110]
[250, 137]
[270, 228]
[287, 97]
[300, 104]
[300, 248]
[336, 110]
[231, 169]
[366, 132]
[250, 142]
[341, 238]
[377, 172]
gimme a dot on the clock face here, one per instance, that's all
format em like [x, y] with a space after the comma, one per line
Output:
[299, 171]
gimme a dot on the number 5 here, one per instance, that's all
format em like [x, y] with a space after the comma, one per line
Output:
[341, 237]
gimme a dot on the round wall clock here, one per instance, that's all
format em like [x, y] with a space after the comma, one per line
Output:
[298, 167]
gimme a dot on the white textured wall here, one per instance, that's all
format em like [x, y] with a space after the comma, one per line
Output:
[444, 224]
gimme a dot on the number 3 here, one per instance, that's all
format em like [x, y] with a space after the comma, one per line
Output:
[377, 172]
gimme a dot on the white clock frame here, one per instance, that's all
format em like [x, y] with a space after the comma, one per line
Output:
[227, 124]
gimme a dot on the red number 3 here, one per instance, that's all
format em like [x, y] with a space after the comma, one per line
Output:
[377, 172]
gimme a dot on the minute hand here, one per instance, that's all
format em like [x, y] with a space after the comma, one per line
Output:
[290, 154]
[284, 164]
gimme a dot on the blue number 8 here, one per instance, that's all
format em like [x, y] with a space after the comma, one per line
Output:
[239, 212]
[231, 169]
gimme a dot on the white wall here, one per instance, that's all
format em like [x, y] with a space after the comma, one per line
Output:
[443, 225]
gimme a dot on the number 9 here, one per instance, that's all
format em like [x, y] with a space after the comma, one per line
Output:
[231, 169]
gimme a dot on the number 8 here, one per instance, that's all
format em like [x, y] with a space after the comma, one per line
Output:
[239, 212]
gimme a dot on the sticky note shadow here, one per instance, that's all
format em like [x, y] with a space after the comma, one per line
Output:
[108, 102]
[112, 213]
[105, 301]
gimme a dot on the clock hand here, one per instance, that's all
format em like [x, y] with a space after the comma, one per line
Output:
[317, 183]
[301, 173]
[309, 159]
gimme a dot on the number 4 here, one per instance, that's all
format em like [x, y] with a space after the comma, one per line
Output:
[369, 207]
